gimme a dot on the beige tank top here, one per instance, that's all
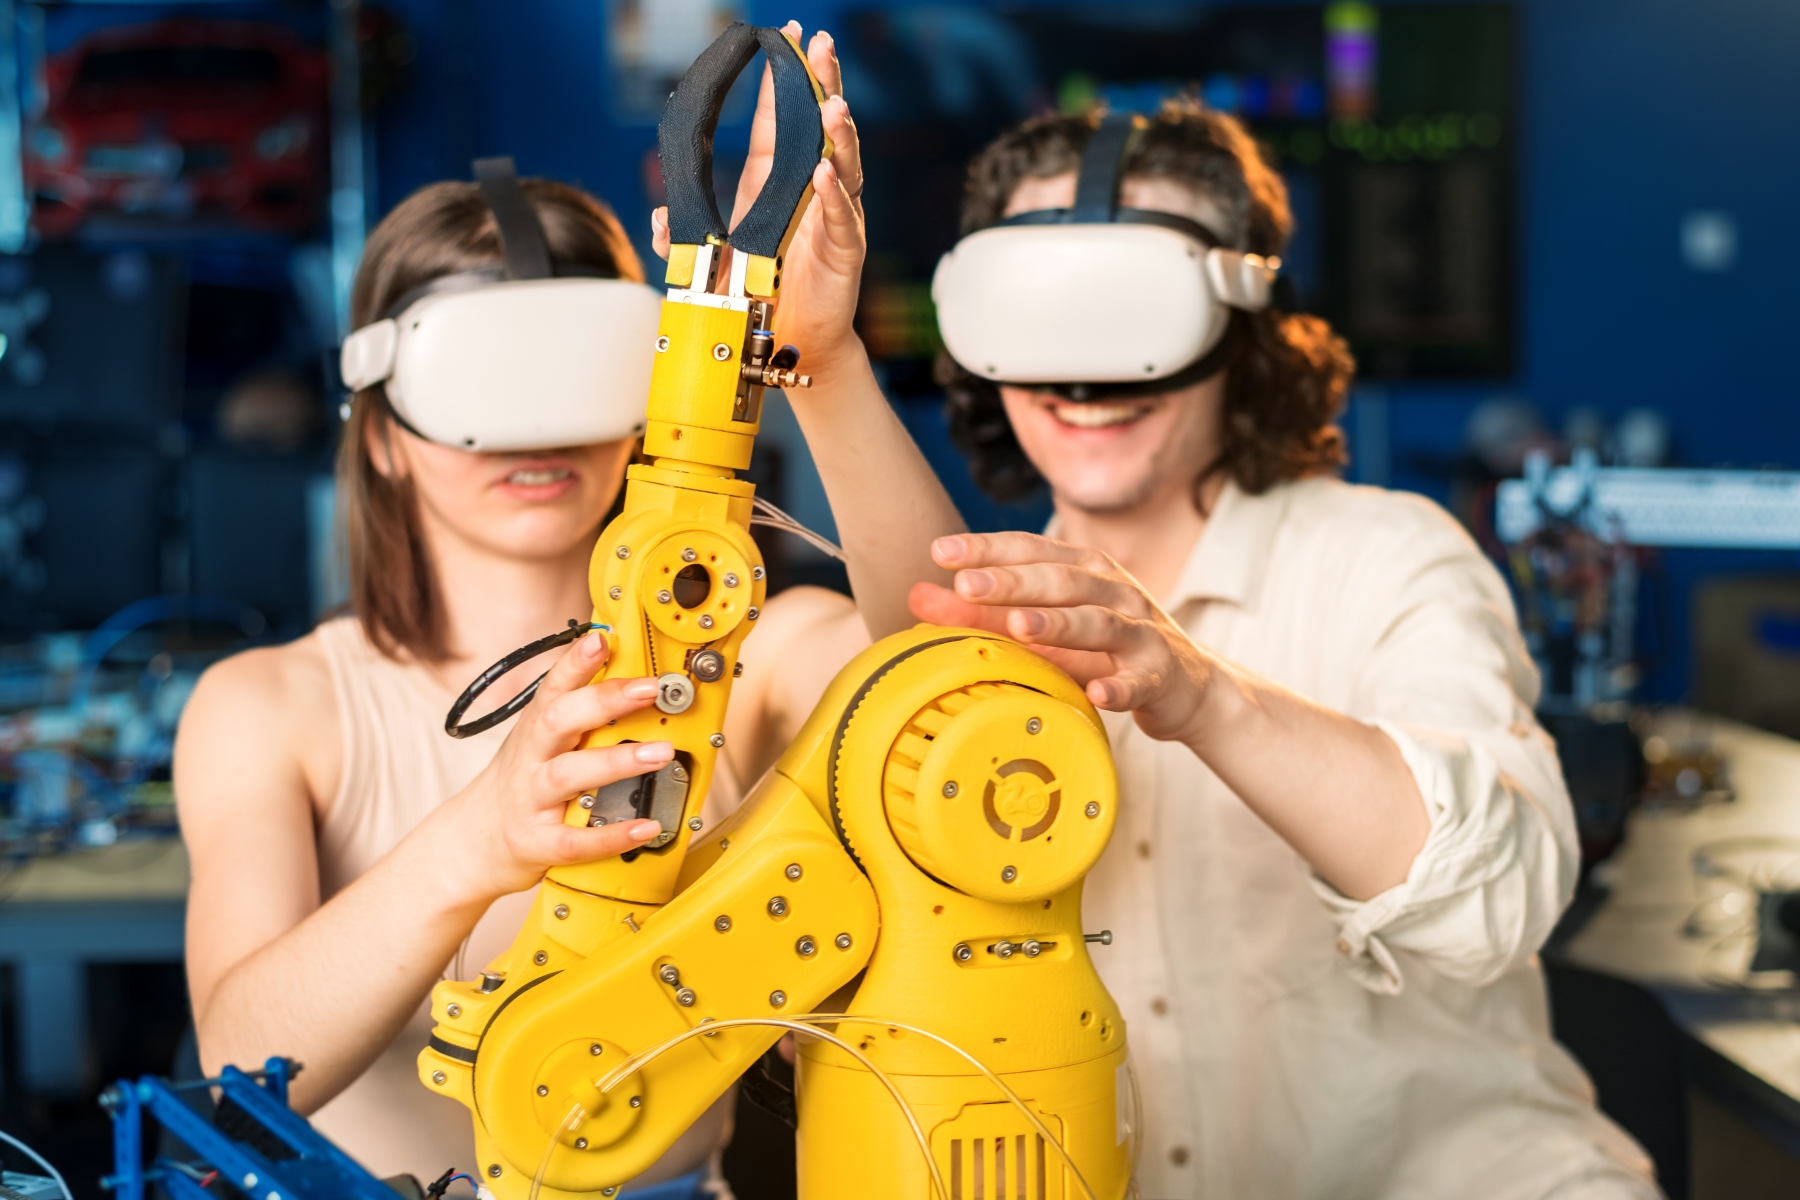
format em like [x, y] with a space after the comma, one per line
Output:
[397, 767]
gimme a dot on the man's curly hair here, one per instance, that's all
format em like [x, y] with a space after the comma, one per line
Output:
[1286, 374]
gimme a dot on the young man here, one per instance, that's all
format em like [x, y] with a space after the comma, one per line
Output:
[1343, 837]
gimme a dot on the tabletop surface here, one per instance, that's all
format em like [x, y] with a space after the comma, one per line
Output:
[146, 871]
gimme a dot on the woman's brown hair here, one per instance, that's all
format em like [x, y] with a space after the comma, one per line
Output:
[1286, 374]
[439, 230]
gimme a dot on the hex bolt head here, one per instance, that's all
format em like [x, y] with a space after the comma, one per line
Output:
[560, 912]
[453, 1011]
[793, 871]
[778, 906]
[706, 621]
[731, 579]
[757, 572]
[695, 824]
[587, 802]
[722, 352]
[1033, 948]
[540, 958]
[843, 941]
[637, 1102]
[596, 1049]
[806, 947]
[1008, 874]
[737, 669]
[722, 923]
[623, 552]
[685, 997]
[663, 597]
[962, 953]
[1034, 726]
[950, 789]
[615, 591]
[438, 1077]
[754, 612]
[662, 345]
[1092, 809]
[543, 1089]
[611, 1191]
[669, 974]
[581, 1143]
[777, 999]
[708, 666]
[717, 740]
[687, 554]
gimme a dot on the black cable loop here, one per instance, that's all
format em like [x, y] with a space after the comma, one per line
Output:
[523, 654]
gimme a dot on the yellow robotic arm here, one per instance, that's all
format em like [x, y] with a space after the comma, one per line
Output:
[928, 830]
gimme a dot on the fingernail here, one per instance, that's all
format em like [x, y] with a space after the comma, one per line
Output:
[949, 549]
[643, 831]
[641, 689]
[593, 643]
[654, 752]
[974, 583]
[1029, 622]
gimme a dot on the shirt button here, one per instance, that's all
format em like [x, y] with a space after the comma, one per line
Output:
[1159, 1006]
[1343, 947]
[1143, 849]
[1179, 1156]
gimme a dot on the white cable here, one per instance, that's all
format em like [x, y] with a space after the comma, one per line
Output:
[39, 1160]
[775, 518]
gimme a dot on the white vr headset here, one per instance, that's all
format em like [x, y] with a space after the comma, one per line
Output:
[529, 356]
[1095, 294]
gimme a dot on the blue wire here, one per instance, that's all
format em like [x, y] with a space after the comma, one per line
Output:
[463, 1175]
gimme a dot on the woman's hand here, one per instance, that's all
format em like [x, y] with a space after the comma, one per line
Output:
[1082, 611]
[821, 274]
[509, 820]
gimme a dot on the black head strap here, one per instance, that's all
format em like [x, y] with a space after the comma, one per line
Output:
[1097, 186]
[521, 236]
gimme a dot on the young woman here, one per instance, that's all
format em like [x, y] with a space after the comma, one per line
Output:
[346, 853]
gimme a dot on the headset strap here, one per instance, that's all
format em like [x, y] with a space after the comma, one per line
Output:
[1097, 186]
[521, 235]
[1121, 216]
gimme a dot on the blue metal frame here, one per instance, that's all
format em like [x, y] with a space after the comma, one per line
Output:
[318, 1170]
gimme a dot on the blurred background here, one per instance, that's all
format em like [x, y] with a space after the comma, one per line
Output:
[1553, 231]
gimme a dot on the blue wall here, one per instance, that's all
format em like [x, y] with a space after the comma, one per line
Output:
[1634, 113]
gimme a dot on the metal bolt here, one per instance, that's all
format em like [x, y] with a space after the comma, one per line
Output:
[806, 947]
[611, 1191]
[637, 1102]
[793, 871]
[707, 665]
[678, 773]
[668, 974]
[1008, 874]
[662, 345]
[722, 923]
[962, 952]
[1034, 726]
[685, 997]
[438, 1078]
[694, 823]
[663, 597]
[623, 552]
[615, 591]
[595, 1048]
[717, 740]
[587, 802]
[731, 579]
[754, 612]
[1033, 948]
[1092, 809]
[757, 572]
[706, 621]
[561, 912]
[843, 941]
[737, 669]
[540, 958]
[1104, 937]
[581, 1143]
[950, 789]
[453, 1011]
[721, 352]
[494, 1170]
[543, 1089]
[778, 906]
[687, 554]
[1004, 950]
[777, 999]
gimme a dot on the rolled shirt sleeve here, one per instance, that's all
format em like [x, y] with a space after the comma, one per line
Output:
[1447, 677]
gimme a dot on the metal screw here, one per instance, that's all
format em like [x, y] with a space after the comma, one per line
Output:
[561, 912]
[1104, 937]
[793, 871]
[687, 554]
[717, 739]
[754, 612]
[609, 1191]
[707, 665]
[706, 621]
[494, 1170]
[662, 345]
[678, 773]
[1004, 950]
[843, 941]
[1033, 948]
[615, 591]
[669, 974]
[685, 997]
[950, 789]
[1008, 874]
[543, 1090]
[1092, 809]
[637, 1102]
[438, 1078]
[663, 597]
[587, 802]
[623, 552]
[694, 823]
[721, 352]
[778, 906]
[722, 923]
[540, 958]
[453, 1011]
[962, 952]
[777, 999]
[731, 579]
[737, 669]
[806, 947]
[1034, 726]
[595, 1048]
[581, 1143]
[757, 572]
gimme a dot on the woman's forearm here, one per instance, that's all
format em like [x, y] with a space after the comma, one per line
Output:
[334, 990]
[886, 498]
[1334, 788]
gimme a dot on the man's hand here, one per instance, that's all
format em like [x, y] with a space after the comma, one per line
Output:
[1085, 613]
[821, 274]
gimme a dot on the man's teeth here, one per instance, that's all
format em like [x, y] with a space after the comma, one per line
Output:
[1096, 415]
[525, 478]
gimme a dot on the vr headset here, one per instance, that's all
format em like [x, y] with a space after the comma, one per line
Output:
[1096, 300]
[532, 355]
